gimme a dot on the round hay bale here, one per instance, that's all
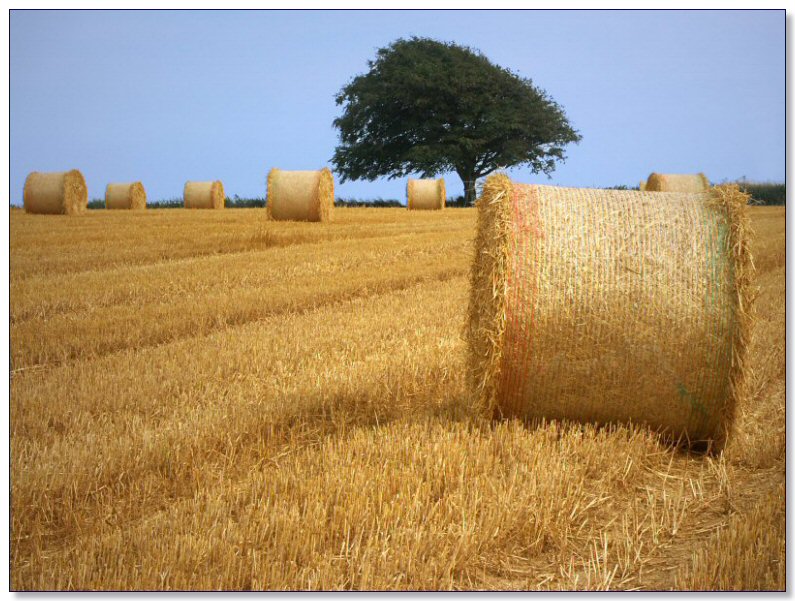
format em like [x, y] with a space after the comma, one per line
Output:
[426, 194]
[300, 195]
[609, 306]
[61, 192]
[642, 186]
[204, 195]
[674, 182]
[125, 196]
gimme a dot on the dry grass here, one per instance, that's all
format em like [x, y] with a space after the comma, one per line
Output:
[295, 415]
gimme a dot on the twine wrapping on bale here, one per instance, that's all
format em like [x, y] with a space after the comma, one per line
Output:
[300, 195]
[674, 182]
[62, 192]
[611, 306]
[426, 194]
[204, 195]
[125, 196]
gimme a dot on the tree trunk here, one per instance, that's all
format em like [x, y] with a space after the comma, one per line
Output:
[470, 192]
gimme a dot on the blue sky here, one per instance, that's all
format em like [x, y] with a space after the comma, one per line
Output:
[168, 96]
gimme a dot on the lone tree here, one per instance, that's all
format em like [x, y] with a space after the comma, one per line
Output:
[430, 107]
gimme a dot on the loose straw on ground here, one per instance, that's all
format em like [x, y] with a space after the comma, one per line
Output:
[675, 182]
[62, 192]
[204, 195]
[611, 306]
[300, 195]
[426, 194]
[130, 196]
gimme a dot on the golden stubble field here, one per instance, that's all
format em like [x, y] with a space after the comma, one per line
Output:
[207, 400]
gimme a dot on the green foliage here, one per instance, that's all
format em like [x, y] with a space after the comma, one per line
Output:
[374, 202]
[429, 107]
[765, 193]
[244, 203]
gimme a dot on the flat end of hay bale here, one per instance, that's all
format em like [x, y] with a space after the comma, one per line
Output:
[730, 200]
[488, 279]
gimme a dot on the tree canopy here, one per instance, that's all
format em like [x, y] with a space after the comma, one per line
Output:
[430, 107]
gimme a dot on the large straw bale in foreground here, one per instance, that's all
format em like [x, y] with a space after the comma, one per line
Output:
[674, 182]
[61, 192]
[125, 196]
[300, 195]
[611, 306]
[204, 195]
[426, 194]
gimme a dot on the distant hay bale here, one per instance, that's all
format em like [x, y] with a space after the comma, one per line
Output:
[204, 195]
[674, 182]
[426, 194]
[125, 196]
[611, 306]
[61, 192]
[642, 186]
[300, 195]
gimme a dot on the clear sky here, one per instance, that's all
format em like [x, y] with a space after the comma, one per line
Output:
[169, 96]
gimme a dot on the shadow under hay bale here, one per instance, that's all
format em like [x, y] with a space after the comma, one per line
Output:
[674, 182]
[300, 195]
[426, 194]
[130, 196]
[204, 195]
[609, 306]
[55, 193]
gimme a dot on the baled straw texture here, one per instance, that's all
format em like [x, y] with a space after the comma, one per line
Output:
[125, 196]
[300, 195]
[426, 194]
[61, 192]
[204, 195]
[673, 182]
[611, 306]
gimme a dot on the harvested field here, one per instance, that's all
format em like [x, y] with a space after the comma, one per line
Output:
[229, 402]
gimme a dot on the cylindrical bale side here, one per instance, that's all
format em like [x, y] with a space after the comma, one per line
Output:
[609, 306]
[62, 192]
[204, 195]
[426, 194]
[131, 196]
[677, 182]
[300, 195]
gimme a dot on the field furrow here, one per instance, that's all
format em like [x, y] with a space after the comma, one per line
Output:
[153, 306]
[43, 245]
[212, 401]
